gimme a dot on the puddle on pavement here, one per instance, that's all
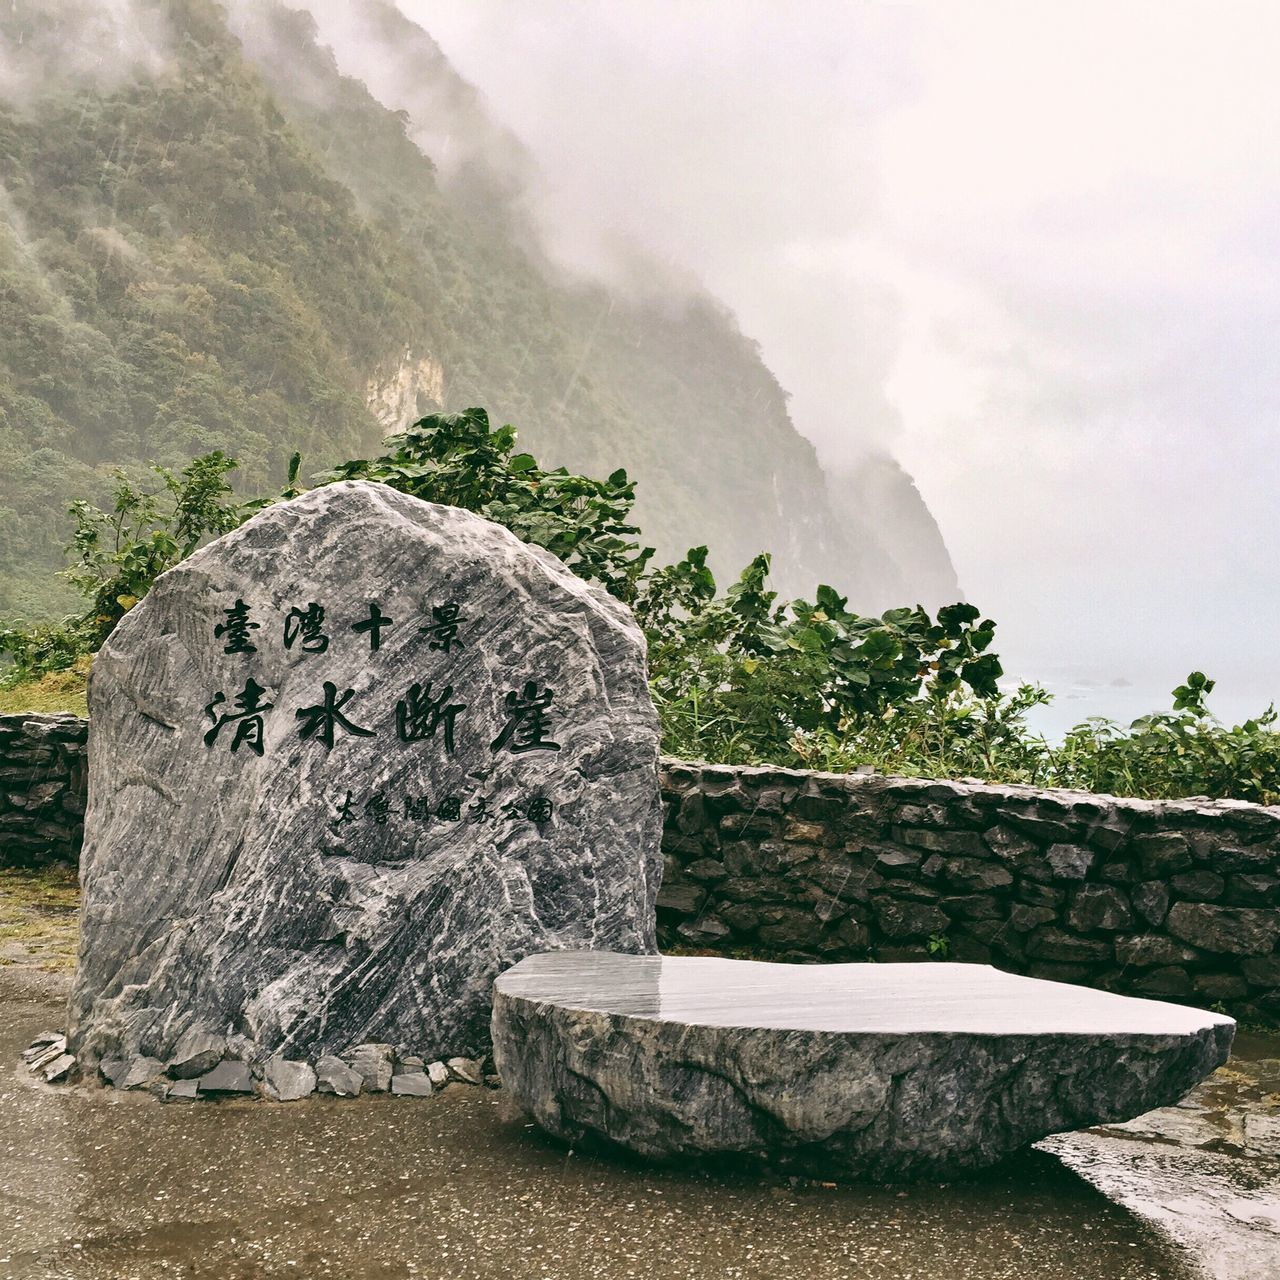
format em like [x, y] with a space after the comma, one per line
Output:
[1207, 1171]
[97, 1184]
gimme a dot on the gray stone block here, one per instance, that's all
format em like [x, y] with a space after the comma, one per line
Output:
[373, 1064]
[412, 1083]
[1070, 861]
[228, 1076]
[287, 1081]
[196, 1054]
[334, 1076]
[58, 1070]
[1239, 931]
[1100, 907]
[138, 1072]
[465, 1069]
[877, 1071]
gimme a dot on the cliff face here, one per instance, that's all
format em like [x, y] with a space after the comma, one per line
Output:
[880, 490]
[233, 244]
[401, 391]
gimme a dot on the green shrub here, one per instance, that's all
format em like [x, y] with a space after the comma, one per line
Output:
[738, 677]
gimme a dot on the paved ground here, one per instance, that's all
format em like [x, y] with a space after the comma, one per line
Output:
[96, 1184]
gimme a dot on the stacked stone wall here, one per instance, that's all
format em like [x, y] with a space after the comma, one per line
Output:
[43, 781]
[1177, 900]
[1173, 899]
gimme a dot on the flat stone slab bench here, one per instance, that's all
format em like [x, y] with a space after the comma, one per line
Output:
[877, 1071]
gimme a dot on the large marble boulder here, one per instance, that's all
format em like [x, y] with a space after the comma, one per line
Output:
[880, 1071]
[347, 763]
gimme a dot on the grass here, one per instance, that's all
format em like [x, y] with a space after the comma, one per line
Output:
[56, 691]
[39, 918]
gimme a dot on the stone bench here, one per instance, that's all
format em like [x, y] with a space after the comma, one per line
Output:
[854, 1070]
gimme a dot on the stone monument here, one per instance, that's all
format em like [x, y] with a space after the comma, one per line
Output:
[348, 763]
[877, 1071]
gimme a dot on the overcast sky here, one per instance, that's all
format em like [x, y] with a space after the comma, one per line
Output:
[1032, 248]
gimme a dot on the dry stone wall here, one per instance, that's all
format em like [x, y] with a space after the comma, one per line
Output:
[1174, 900]
[43, 781]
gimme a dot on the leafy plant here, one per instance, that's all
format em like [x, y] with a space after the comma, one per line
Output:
[738, 677]
[120, 553]
[460, 460]
[36, 651]
[1185, 753]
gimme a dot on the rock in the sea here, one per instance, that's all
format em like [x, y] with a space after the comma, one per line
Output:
[859, 1070]
[286, 1081]
[348, 763]
[334, 1076]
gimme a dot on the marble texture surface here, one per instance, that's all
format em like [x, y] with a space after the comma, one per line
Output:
[863, 1070]
[312, 881]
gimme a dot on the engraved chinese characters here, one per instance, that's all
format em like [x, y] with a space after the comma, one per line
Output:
[418, 714]
[348, 763]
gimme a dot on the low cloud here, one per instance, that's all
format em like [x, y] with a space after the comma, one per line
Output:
[48, 44]
[1028, 248]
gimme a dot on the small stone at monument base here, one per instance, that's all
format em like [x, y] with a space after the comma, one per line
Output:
[465, 1069]
[228, 1076]
[42, 1043]
[138, 1073]
[58, 1068]
[42, 1060]
[286, 1081]
[413, 1083]
[113, 1070]
[411, 1063]
[372, 1063]
[196, 1054]
[182, 1091]
[334, 1076]
[438, 1074]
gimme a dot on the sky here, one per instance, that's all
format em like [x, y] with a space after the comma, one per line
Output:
[1031, 248]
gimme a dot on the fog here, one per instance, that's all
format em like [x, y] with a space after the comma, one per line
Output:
[1030, 248]
[98, 43]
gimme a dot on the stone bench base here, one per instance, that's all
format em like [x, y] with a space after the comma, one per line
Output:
[854, 1070]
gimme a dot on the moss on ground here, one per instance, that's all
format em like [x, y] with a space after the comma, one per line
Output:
[56, 691]
[39, 918]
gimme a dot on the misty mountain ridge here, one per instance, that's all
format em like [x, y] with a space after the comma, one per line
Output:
[212, 237]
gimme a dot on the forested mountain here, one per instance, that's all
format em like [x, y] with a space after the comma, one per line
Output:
[211, 238]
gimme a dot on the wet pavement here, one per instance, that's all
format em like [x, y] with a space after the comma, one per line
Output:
[101, 1184]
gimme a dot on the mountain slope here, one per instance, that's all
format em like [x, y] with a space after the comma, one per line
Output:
[236, 246]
